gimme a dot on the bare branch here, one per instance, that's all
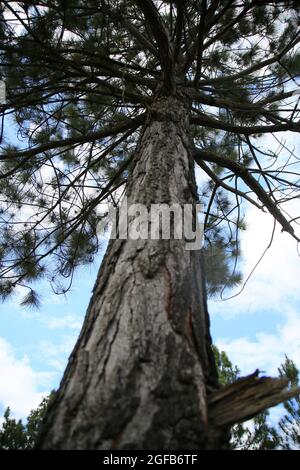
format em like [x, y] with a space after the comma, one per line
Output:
[250, 181]
[247, 397]
[141, 39]
[162, 39]
[88, 137]
[204, 120]
[220, 182]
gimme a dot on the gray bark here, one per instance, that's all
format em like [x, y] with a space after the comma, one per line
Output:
[140, 372]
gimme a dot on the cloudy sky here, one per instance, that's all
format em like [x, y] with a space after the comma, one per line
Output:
[262, 324]
[256, 328]
[34, 345]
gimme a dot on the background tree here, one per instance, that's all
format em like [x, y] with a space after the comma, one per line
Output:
[12, 434]
[128, 95]
[290, 423]
[16, 435]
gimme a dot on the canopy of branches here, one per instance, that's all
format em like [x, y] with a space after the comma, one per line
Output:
[80, 77]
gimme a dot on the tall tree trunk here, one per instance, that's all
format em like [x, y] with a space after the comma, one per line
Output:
[140, 372]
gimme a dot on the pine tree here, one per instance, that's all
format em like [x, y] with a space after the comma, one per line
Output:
[290, 422]
[124, 97]
[12, 434]
[15, 435]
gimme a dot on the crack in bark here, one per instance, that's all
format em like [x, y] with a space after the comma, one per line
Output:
[168, 292]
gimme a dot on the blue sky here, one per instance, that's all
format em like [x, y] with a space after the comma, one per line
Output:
[35, 344]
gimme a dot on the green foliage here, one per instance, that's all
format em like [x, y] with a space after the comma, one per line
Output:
[75, 71]
[227, 372]
[31, 300]
[290, 423]
[220, 257]
[260, 434]
[291, 65]
[15, 435]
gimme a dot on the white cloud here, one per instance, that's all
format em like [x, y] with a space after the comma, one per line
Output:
[55, 354]
[274, 285]
[69, 321]
[266, 351]
[21, 388]
[273, 288]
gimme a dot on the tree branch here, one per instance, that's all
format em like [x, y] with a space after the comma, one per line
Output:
[220, 182]
[200, 42]
[250, 181]
[246, 107]
[253, 68]
[162, 38]
[247, 397]
[179, 26]
[230, 25]
[89, 137]
[208, 121]
[141, 39]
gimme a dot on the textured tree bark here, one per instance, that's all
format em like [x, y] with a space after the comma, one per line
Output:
[140, 372]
